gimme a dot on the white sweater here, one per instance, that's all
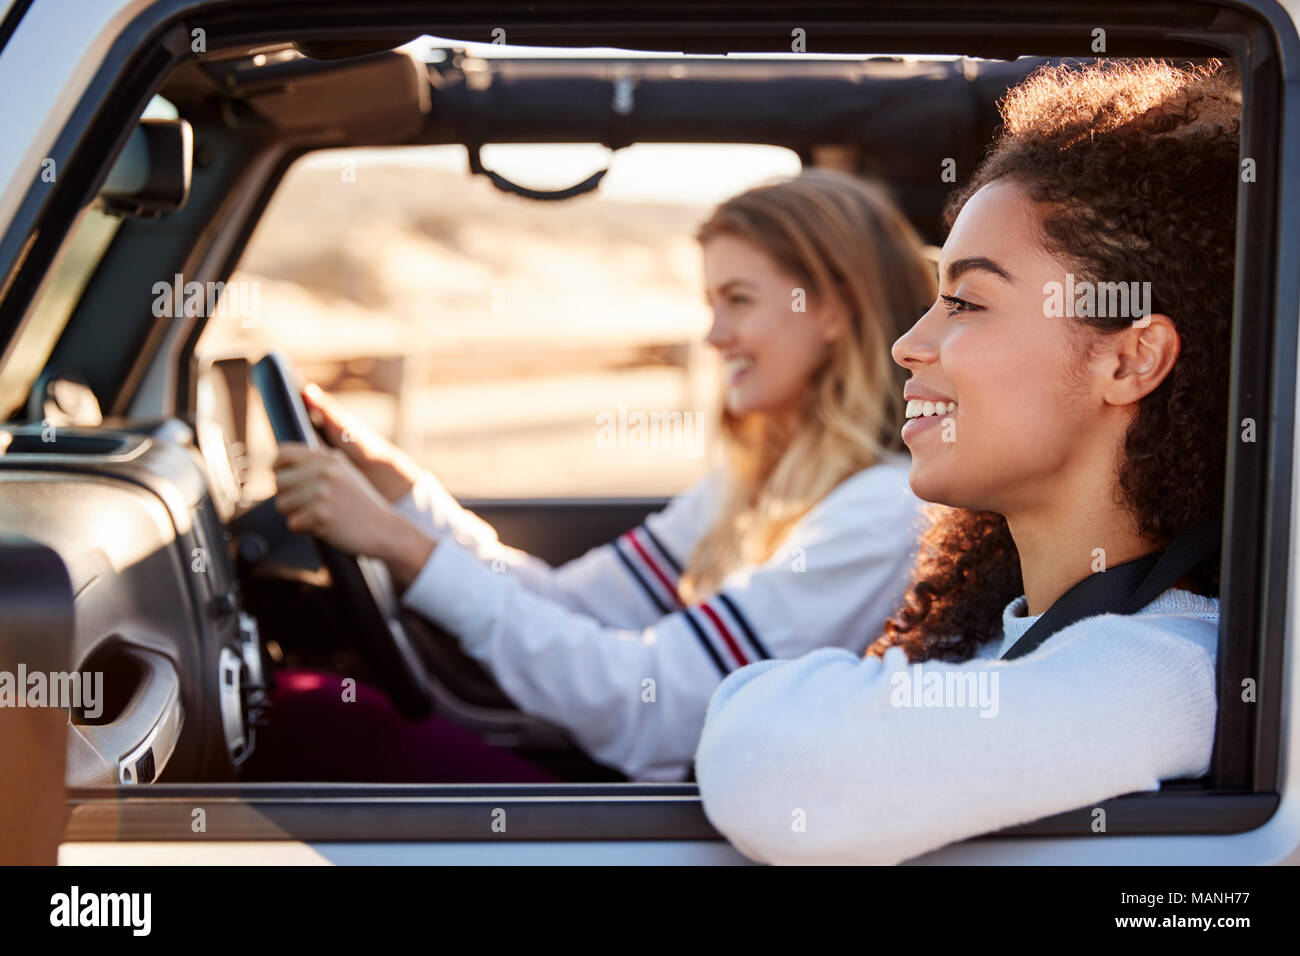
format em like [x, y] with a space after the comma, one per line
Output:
[603, 647]
[835, 758]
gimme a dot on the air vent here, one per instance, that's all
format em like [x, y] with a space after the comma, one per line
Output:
[32, 443]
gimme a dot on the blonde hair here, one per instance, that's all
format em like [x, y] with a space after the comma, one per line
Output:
[847, 245]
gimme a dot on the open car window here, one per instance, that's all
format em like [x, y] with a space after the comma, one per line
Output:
[483, 333]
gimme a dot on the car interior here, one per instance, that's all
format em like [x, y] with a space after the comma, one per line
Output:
[121, 449]
[188, 661]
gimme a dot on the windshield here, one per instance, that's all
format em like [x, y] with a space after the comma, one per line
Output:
[40, 333]
[77, 262]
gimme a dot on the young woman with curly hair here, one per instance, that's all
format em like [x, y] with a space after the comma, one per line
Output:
[1057, 439]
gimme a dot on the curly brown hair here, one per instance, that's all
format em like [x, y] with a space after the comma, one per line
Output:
[1134, 167]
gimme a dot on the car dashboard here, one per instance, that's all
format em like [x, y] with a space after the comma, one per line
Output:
[159, 622]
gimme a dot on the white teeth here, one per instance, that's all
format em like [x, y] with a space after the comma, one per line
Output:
[737, 365]
[917, 408]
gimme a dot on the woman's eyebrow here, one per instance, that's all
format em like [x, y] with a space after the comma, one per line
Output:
[726, 288]
[959, 267]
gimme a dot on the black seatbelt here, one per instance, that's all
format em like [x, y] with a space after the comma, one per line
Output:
[1125, 588]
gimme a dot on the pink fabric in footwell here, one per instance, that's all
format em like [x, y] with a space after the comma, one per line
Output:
[315, 735]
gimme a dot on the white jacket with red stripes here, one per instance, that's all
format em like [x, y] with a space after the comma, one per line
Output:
[602, 645]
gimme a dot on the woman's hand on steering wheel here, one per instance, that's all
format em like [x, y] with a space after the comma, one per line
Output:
[387, 467]
[324, 495]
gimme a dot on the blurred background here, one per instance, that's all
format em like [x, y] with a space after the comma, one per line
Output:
[489, 335]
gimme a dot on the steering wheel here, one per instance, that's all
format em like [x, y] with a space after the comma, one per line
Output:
[362, 584]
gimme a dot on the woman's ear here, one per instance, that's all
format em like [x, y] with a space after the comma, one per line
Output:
[830, 318]
[832, 328]
[1141, 357]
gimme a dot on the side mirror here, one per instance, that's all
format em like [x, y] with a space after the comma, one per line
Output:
[38, 610]
[152, 175]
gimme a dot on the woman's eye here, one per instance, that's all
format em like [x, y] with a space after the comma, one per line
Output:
[956, 305]
[739, 300]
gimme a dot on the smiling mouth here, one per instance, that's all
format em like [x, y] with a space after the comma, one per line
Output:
[737, 367]
[916, 408]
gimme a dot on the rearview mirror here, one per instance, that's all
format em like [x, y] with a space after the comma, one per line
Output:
[152, 175]
[348, 49]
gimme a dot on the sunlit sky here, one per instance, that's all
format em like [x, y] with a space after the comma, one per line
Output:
[645, 172]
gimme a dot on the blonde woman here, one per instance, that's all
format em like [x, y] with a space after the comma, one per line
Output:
[802, 541]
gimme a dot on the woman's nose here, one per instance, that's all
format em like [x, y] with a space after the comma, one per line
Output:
[719, 332]
[916, 346]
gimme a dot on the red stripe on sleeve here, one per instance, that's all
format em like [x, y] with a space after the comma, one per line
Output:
[726, 634]
[663, 579]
